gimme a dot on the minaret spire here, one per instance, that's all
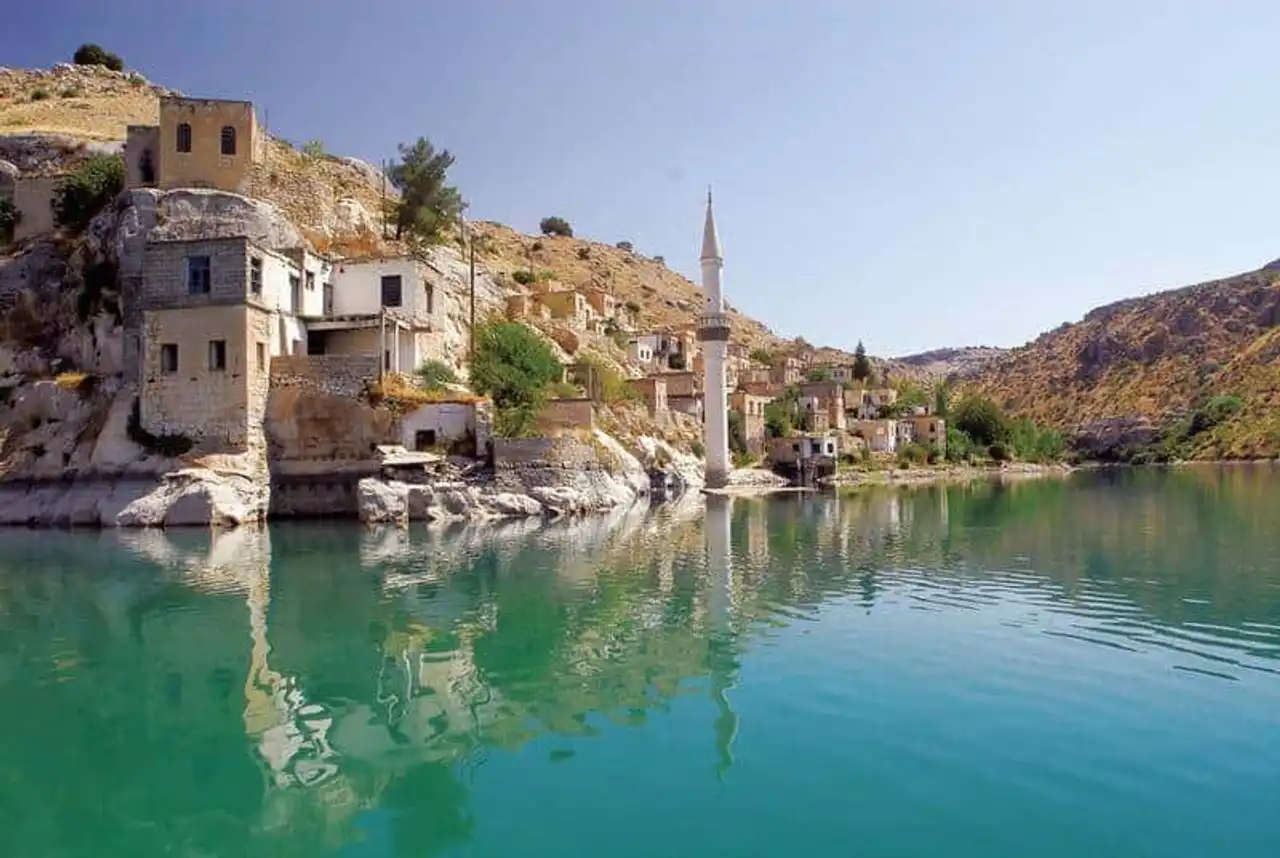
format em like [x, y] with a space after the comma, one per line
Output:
[713, 332]
[710, 238]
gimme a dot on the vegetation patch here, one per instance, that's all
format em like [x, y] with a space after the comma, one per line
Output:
[90, 54]
[515, 368]
[87, 191]
[555, 226]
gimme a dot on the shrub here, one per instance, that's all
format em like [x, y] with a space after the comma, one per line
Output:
[9, 218]
[1213, 412]
[524, 278]
[584, 253]
[744, 460]
[85, 192]
[313, 149]
[625, 245]
[698, 449]
[633, 306]
[777, 419]
[71, 92]
[514, 367]
[737, 433]
[998, 453]
[613, 387]
[555, 226]
[39, 94]
[661, 260]
[762, 355]
[90, 54]
[982, 420]
[913, 454]
[435, 374]
[536, 246]
[817, 374]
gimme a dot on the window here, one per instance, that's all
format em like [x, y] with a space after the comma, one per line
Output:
[311, 281]
[255, 275]
[217, 355]
[424, 439]
[228, 140]
[431, 298]
[168, 357]
[295, 290]
[386, 359]
[391, 290]
[199, 279]
[184, 137]
[261, 355]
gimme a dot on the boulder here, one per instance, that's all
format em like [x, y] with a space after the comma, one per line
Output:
[379, 501]
[196, 498]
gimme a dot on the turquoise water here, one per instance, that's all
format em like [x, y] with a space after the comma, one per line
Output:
[1051, 668]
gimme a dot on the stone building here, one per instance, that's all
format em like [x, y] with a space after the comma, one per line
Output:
[33, 196]
[654, 390]
[199, 143]
[199, 334]
[751, 408]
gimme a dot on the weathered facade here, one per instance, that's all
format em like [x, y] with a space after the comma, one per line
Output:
[751, 408]
[199, 143]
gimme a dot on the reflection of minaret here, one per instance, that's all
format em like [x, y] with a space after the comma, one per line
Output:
[721, 656]
[713, 332]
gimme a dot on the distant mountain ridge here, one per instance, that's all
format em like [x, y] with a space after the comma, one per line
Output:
[1152, 360]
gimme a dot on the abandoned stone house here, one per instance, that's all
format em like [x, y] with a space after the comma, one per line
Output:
[199, 143]
[33, 196]
[751, 409]
[206, 317]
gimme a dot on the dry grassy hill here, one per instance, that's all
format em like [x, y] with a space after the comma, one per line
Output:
[1159, 357]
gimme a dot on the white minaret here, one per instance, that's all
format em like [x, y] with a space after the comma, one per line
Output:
[713, 332]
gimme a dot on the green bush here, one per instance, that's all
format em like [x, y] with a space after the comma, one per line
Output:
[435, 374]
[555, 226]
[90, 54]
[762, 355]
[40, 94]
[737, 433]
[524, 278]
[1213, 412]
[313, 149]
[999, 453]
[625, 245]
[633, 306]
[913, 454]
[1034, 444]
[9, 218]
[536, 246]
[71, 92]
[777, 419]
[698, 449]
[982, 420]
[584, 253]
[515, 368]
[85, 192]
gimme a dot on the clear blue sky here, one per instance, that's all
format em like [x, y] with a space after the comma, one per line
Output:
[913, 174]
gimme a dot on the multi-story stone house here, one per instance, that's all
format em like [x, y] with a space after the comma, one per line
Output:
[881, 436]
[865, 403]
[786, 371]
[825, 401]
[199, 143]
[570, 307]
[751, 408]
[206, 317]
[663, 350]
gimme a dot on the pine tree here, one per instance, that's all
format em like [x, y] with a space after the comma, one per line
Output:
[861, 363]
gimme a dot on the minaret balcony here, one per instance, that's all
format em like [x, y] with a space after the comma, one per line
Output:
[714, 327]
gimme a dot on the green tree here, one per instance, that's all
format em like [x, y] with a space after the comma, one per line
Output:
[514, 367]
[818, 373]
[85, 192]
[982, 420]
[737, 433]
[90, 54]
[625, 245]
[777, 419]
[861, 363]
[941, 399]
[313, 149]
[555, 226]
[435, 374]
[762, 355]
[428, 207]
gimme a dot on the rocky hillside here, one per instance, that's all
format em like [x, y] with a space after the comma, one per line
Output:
[334, 202]
[1154, 359]
[954, 363]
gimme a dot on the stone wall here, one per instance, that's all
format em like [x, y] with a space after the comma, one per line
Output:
[303, 423]
[337, 375]
[33, 196]
[164, 273]
[563, 414]
[516, 453]
[141, 156]
[216, 408]
[205, 166]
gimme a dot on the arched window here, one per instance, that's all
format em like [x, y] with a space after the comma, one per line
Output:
[228, 140]
[184, 137]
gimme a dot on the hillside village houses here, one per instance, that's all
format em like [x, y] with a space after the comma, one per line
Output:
[211, 323]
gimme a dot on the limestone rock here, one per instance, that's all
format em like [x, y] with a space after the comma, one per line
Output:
[196, 497]
[380, 501]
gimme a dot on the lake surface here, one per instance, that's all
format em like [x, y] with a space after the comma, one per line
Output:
[1080, 667]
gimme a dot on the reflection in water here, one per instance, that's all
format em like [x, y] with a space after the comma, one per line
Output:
[314, 688]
